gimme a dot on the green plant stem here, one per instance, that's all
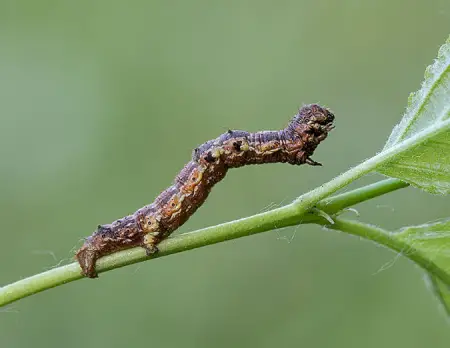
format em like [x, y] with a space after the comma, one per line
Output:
[344, 200]
[288, 215]
[389, 240]
[306, 201]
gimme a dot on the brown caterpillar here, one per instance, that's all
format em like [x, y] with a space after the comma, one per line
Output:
[210, 162]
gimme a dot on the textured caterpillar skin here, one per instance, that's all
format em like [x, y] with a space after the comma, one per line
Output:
[210, 162]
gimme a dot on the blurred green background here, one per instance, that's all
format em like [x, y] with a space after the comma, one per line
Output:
[101, 103]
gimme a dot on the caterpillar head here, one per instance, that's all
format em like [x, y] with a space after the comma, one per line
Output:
[315, 114]
[311, 119]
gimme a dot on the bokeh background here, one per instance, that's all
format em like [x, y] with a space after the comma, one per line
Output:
[101, 105]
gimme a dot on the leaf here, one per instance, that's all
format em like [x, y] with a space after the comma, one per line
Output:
[426, 163]
[441, 290]
[432, 242]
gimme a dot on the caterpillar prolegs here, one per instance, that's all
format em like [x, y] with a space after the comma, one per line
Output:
[210, 162]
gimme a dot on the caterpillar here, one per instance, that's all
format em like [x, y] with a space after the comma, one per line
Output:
[210, 162]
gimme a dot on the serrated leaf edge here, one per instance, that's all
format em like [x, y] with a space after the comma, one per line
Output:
[417, 100]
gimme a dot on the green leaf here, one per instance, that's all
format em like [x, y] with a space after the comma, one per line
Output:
[426, 163]
[427, 245]
[442, 292]
[432, 242]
